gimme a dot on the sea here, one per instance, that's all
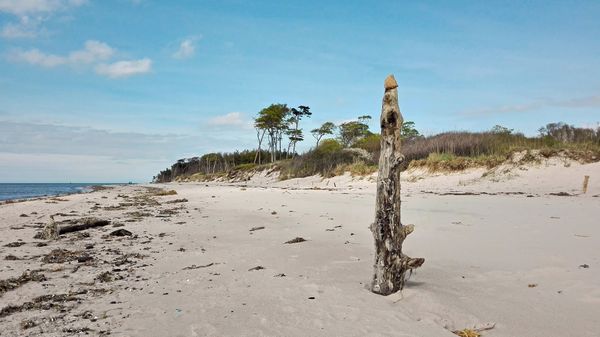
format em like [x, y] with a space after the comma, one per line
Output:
[17, 191]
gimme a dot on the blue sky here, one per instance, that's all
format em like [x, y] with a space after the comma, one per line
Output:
[116, 90]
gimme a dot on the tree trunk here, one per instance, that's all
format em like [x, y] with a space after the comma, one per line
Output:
[259, 137]
[51, 231]
[391, 265]
[295, 135]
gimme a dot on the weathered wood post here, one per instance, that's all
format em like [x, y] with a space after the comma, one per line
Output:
[391, 265]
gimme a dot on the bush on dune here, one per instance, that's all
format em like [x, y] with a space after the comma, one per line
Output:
[329, 159]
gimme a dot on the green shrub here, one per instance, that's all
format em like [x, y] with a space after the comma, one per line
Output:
[329, 146]
[325, 160]
[245, 167]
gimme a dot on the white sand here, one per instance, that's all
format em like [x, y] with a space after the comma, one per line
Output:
[482, 252]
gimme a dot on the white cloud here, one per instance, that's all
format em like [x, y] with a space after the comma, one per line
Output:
[122, 69]
[187, 48]
[21, 7]
[92, 52]
[230, 119]
[27, 27]
[36, 57]
[31, 14]
[25, 137]
[577, 102]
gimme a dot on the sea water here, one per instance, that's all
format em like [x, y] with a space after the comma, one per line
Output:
[13, 191]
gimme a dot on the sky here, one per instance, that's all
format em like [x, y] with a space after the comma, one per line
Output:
[116, 90]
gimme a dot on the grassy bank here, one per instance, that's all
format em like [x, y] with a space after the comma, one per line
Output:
[449, 151]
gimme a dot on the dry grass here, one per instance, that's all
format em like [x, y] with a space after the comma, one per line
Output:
[436, 162]
[358, 168]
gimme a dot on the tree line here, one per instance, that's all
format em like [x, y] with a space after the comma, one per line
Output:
[279, 130]
[278, 121]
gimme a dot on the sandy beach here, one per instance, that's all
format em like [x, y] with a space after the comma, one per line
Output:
[515, 251]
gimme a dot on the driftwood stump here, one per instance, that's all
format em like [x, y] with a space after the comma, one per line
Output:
[391, 265]
[52, 230]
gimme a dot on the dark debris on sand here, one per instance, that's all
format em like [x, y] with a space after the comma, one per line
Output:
[198, 267]
[60, 256]
[121, 232]
[295, 240]
[44, 302]
[14, 244]
[15, 282]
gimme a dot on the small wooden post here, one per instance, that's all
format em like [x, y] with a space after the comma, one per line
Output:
[391, 265]
[586, 180]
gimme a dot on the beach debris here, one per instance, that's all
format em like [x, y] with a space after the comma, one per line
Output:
[311, 298]
[256, 268]
[121, 232]
[280, 275]
[27, 324]
[49, 232]
[582, 236]
[121, 260]
[176, 201]
[198, 267]
[273, 213]
[391, 264]
[84, 258]
[15, 282]
[256, 228]
[60, 256]
[83, 224]
[295, 240]
[14, 244]
[44, 302]
[561, 194]
[532, 285]
[159, 192]
[584, 266]
[105, 277]
[24, 215]
[52, 230]
[475, 331]
[467, 333]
